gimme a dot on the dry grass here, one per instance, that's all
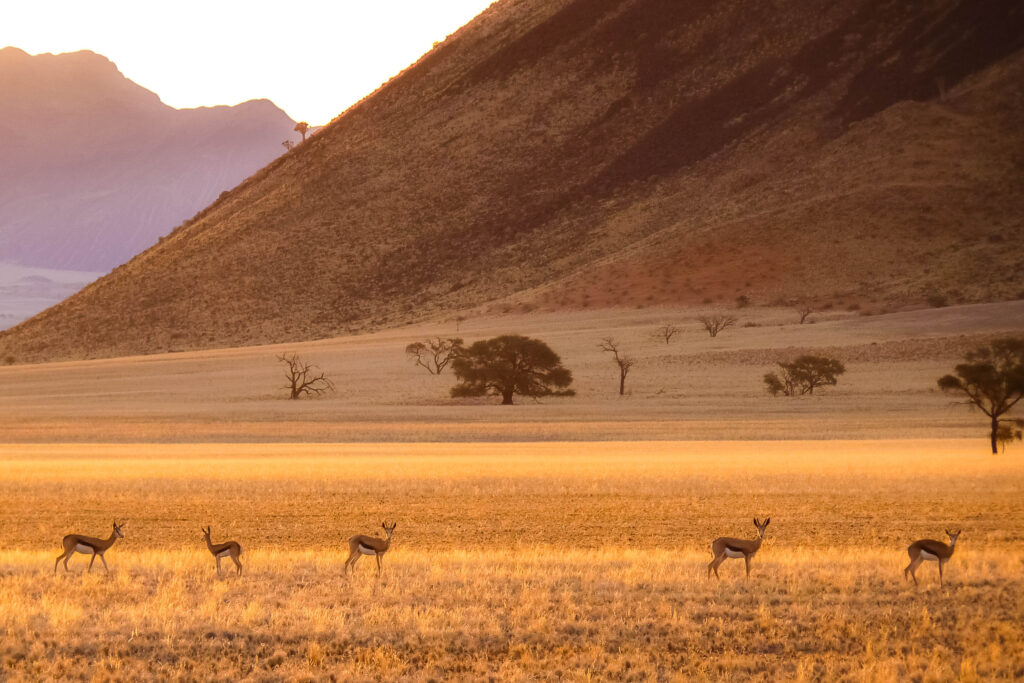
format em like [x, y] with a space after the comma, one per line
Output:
[513, 561]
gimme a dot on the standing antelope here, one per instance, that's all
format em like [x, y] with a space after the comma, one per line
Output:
[934, 551]
[230, 549]
[369, 545]
[87, 545]
[723, 548]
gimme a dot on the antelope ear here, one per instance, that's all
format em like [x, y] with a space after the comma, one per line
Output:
[383, 525]
[948, 532]
[767, 521]
[756, 523]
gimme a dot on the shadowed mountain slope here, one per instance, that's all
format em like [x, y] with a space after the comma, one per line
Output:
[611, 152]
[94, 168]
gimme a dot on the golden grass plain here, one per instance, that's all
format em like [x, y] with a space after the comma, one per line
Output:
[550, 561]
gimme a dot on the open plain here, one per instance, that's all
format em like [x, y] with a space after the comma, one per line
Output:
[694, 388]
[550, 561]
[565, 539]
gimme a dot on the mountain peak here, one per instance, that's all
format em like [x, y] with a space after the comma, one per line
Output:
[109, 167]
[626, 153]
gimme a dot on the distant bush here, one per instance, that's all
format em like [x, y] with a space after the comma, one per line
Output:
[803, 376]
[936, 300]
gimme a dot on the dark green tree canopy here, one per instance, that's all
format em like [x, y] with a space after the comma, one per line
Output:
[509, 365]
[804, 375]
[991, 379]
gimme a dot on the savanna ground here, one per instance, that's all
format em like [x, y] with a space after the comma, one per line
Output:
[565, 539]
[545, 561]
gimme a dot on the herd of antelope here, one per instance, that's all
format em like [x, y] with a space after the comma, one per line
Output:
[722, 548]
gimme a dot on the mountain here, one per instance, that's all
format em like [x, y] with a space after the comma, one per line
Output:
[575, 153]
[94, 168]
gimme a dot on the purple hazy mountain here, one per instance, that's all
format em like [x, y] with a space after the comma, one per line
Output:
[95, 168]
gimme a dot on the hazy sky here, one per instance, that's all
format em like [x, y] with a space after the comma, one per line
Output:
[312, 58]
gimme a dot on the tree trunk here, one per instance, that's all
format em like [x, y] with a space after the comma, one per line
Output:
[506, 398]
[995, 433]
[622, 383]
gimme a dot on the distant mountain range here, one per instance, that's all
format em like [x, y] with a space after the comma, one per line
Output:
[560, 154]
[95, 168]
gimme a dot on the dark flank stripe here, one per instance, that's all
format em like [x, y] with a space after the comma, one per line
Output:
[734, 548]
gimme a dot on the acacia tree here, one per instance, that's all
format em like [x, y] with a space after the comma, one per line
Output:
[804, 311]
[803, 376]
[991, 379]
[302, 128]
[625, 363]
[304, 379]
[434, 354]
[716, 322]
[666, 332]
[509, 365]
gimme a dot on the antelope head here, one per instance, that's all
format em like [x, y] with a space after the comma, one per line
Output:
[119, 529]
[953, 535]
[388, 530]
[761, 526]
[206, 532]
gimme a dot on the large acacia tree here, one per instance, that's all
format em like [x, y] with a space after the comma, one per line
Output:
[991, 379]
[509, 365]
[804, 375]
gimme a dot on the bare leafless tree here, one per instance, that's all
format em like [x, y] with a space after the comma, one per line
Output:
[288, 144]
[304, 379]
[434, 354]
[625, 363]
[666, 332]
[716, 322]
[804, 310]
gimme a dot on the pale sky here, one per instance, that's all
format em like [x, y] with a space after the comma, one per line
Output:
[313, 58]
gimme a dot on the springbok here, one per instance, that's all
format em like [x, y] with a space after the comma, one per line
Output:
[723, 548]
[369, 545]
[87, 545]
[230, 549]
[934, 551]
